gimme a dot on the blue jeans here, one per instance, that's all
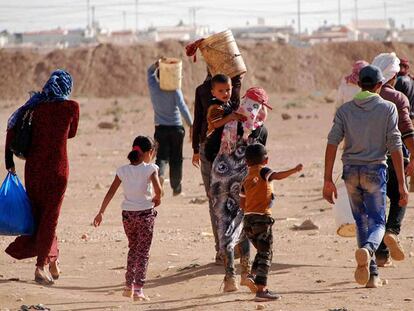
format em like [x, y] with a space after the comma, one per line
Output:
[367, 186]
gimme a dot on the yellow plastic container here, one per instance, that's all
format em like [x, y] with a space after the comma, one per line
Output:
[170, 74]
[222, 55]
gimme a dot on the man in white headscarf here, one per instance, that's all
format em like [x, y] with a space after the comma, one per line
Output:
[390, 246]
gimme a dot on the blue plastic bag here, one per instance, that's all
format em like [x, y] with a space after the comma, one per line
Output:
[16, 217]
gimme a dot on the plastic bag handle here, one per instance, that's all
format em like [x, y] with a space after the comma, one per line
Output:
[13, 177]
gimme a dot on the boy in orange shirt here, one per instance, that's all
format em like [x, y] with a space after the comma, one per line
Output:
[256, 201]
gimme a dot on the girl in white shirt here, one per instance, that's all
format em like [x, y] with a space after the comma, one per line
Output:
[139, 179]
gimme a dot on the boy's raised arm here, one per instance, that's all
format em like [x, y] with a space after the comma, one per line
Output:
[285, 174]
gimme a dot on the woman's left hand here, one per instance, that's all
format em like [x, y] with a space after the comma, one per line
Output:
[12, 170]
[98, 220]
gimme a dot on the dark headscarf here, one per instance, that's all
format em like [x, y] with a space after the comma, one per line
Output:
[56, 89]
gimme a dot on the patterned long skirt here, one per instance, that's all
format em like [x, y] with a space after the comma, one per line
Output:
[228, 172]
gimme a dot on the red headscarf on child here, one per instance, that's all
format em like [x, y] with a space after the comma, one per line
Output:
[259, 95]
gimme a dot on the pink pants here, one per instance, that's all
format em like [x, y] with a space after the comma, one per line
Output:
[138, 227]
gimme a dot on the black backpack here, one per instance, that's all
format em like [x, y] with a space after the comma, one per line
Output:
[22, 140]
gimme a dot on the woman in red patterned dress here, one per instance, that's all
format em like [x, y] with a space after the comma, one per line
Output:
[55, 119]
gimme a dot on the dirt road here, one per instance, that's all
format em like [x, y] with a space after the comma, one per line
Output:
[313, 270]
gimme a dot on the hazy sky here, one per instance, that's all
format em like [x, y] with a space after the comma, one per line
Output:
[27, 15]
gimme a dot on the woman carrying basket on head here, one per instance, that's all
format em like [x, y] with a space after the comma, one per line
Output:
[229, 169]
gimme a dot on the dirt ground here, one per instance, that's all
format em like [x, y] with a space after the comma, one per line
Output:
[313, 270]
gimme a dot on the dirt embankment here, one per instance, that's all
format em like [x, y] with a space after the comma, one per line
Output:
[119, 71]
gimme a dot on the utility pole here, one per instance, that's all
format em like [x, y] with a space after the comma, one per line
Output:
[193, 15]
[93, 16]
[87, 14]
[190, 16]
[136, 15]
[299, 26]
[356, 14]
[339, 13]
[385, 10]
[124, 19]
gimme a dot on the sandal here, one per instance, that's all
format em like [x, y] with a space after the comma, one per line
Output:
[54, 269]
[139, 295]
[33, 307]
[43, 277]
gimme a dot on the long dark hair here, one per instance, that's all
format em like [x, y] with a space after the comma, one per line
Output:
[140, 145]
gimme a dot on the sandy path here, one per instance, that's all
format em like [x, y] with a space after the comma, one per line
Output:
[313, 270]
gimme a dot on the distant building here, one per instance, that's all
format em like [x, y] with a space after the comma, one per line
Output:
[179, 33]
[53, 37]
[263, 32]
[407, 35]
[376, 29]
[125, 37]
[4, 38]
[327, 34]
[61, 38]
[77, 37]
